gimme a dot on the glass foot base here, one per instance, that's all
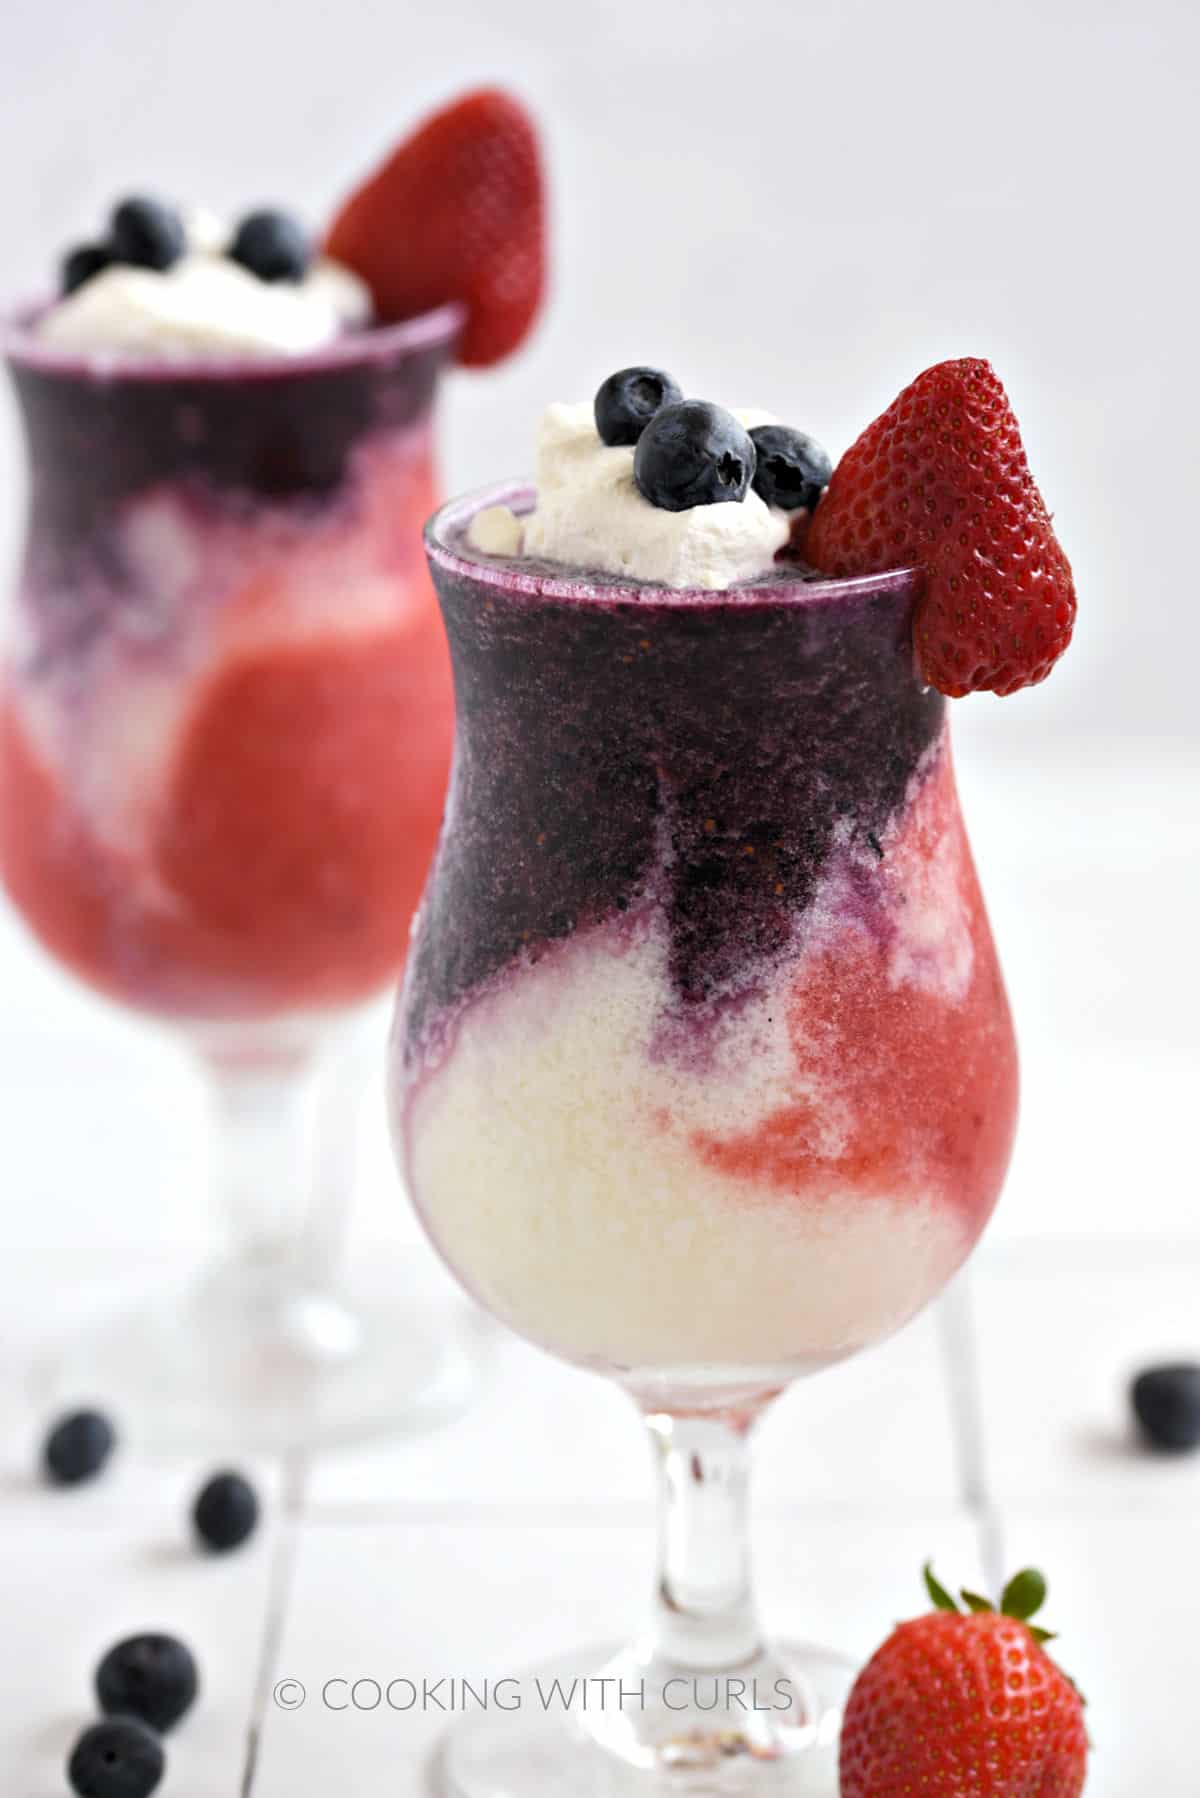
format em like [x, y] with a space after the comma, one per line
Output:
[243, 1365]
[597, 1725]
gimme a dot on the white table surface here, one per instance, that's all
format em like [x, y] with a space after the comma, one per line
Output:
[524, 1527]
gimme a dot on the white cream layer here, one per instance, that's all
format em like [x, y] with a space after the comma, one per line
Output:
[551, 1155]
[590, 515]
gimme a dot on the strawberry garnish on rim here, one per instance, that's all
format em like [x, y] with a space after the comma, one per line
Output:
[940, 481]
[457, 212]
[966, 1700]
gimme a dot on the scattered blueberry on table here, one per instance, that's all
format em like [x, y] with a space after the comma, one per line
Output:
[150, 1677]
[119, 1758]
[1166, 1403]
[77, 1447]
[225, 1511]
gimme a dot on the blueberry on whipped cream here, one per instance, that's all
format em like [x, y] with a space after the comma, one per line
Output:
[81, 263]
[693, 454]
[165, 284]
[645, 485]
[146, 234]
[792, 471]
[628, 400]
[272, 245]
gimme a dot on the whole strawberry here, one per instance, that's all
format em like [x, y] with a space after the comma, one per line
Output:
[966, 1705]
[940, 481]
[457, 212]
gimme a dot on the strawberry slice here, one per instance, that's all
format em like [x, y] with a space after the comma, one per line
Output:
[457, 212]
[941, 481]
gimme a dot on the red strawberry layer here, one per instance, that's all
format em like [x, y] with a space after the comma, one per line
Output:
[905, 1073]
[240, 818]
[297, 831]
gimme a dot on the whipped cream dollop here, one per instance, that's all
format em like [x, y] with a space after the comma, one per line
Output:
[591, 515]
[204, 304]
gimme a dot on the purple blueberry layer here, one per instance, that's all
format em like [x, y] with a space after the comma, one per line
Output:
[704, 753]
[282, 428]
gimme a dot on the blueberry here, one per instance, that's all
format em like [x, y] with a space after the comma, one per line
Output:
[152, 1678]
[1166, 1402]
[793, 470]
[273, 246]
[628, 400]
[146, 233]
[225, 1511]
[81, 263]
[693, 454]
[119, 1758]
[77, 1447]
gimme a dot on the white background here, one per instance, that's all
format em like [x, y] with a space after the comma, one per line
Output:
[790, 204]
[797, 206]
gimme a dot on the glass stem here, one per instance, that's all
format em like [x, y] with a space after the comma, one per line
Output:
[704, 1613]
[263, 1163]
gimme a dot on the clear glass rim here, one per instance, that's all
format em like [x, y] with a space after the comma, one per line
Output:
[444, 547]
[20, 347]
